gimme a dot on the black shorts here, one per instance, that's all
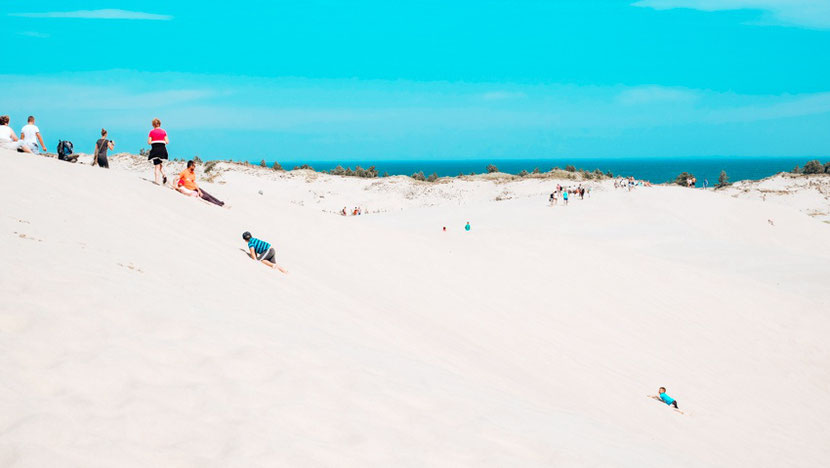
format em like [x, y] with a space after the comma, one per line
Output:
[157, 153]
[270, 255]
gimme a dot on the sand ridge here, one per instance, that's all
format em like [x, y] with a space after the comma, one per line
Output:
[134, 331]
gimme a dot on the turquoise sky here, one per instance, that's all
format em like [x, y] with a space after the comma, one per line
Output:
[324, 80]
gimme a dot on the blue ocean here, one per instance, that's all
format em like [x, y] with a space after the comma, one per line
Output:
[656, 170]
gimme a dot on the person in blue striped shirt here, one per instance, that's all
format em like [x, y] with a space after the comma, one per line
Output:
[262, 251]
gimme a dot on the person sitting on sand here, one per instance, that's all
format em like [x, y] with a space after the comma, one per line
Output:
[8, 139]
[262, 251]
[30, 135]
[343, 211]
[187, 185]
[467, 227]
[159, 141]
[99, 157]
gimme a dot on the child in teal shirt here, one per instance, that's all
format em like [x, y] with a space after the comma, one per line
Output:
[665, 398]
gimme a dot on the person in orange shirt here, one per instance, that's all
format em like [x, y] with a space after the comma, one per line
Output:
[187, 185]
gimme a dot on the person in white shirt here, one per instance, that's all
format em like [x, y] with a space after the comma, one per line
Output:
[8, 139]
[31, 137]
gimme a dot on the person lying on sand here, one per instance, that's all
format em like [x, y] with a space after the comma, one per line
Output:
[262, 251]
[665, 398]
[187, 185]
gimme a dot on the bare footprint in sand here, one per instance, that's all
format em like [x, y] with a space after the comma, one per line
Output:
[24, 236]
[130, 266]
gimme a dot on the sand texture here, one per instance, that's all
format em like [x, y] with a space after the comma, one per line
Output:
[134, 331]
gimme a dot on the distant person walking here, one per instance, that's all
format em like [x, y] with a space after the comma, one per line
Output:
[99, 157]
[565, 197]
[261, 251]
[467, 227]
[8, 139]
[187, 185]
[30, 135]
[159, 141]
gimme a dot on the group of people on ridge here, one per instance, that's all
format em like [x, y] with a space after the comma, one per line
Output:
[357, 211]
[30, 140]
[566, 193]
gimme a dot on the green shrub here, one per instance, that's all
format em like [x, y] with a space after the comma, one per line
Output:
[522, 173]
[432, 177]
[492, 168]
[210, 165]
[681, 179]
[796, 170]
[197, 159]
[723, 180]
[570, 168]
[277, 167]
[419, 176]
[813, 167]
[536, 170]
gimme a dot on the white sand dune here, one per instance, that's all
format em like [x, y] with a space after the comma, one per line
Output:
[135, 332]
[808, 193]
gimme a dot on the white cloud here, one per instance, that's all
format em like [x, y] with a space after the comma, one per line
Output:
[315, 106]
[655, 94]
[502, 95]
[806, 13]
[97, 14]
[35, 34]
[780, 108]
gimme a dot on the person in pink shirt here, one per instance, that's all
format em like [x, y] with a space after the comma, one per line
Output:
[158, 140]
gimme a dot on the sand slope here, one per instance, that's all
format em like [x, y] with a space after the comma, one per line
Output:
[134, 331]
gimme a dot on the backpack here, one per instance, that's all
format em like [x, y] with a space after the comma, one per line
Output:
[65, 151]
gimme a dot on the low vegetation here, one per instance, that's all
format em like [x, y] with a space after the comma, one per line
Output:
[723, 180]
[683, 177]
[812, 167]
[570, 171]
